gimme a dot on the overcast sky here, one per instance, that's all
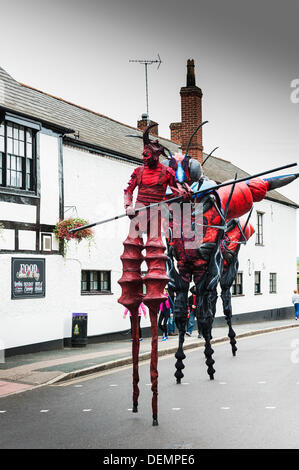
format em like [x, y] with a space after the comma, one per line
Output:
[245, 53]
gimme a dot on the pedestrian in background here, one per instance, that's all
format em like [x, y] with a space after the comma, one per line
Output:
[295, 300]
[171, 322]
[164, 313]
[191, 313]
[141, 310]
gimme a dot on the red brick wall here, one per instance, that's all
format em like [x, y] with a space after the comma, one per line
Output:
[142, 125]
[191, 117]
[175, 132]
[191, 113]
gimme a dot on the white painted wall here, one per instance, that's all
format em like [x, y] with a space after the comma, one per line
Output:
[27, 240]
[94, 185]
[278, 255]
[17, 212]
[49, 158]
[29, 321]
[7, 239]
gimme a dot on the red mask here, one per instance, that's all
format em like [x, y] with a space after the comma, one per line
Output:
[150, 158]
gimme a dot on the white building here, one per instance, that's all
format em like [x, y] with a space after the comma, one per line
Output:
[59, 160]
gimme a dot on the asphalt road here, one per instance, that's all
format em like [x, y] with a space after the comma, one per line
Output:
[252, 403]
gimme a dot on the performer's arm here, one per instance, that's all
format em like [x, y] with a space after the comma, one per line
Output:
[128, 194]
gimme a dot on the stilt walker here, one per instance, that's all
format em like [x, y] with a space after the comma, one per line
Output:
[204, 263]
[152, 180]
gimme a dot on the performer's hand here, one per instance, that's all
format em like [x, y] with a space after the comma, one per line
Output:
[130, 211]
[185, 192]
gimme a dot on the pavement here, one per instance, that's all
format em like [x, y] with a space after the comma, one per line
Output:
[26, 372]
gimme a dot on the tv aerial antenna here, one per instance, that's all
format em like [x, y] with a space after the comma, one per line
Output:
[146, 63]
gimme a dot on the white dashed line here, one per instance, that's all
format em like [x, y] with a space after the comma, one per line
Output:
[222, 383]
[87, 409]
[270, 407]
[185, 383]
[113, 385]
[2, 411]
[225, 407]
[44, 411]
[176, 409]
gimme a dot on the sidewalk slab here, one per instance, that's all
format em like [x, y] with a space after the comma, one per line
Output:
[8, 388]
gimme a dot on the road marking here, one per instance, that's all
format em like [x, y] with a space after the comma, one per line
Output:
[2, 411]
[225, 407]
[87, 409]
[185, 383]
[130, 409]
[222, 383]
[113, 385]
[270, 407]
[44, 411]
[176, 409]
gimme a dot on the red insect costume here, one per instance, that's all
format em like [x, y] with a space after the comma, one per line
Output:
[204, 263]
[238, 232]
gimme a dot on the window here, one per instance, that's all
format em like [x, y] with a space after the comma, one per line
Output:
[237, 287]
[257, 282]
[95, 282]
[259, 233]
[17, 152]
[273, 283]
[46, 242]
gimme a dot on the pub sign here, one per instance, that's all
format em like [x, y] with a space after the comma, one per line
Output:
[28, 278]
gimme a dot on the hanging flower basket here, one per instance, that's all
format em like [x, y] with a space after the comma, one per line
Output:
[62, 231]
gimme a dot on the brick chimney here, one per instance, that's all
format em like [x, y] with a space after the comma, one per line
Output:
[142, 125]
[191, 114]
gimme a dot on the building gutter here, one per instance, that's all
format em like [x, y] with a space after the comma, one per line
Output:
[101, 150]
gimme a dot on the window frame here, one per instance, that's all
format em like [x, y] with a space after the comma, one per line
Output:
[91, 279]
[234, 288]
[6, 157]
[272, 283]
[258, 284]
[259, 240]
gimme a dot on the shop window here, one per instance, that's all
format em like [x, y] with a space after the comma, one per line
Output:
[95, 282]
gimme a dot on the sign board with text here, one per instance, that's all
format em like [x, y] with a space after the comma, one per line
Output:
[28, 278]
